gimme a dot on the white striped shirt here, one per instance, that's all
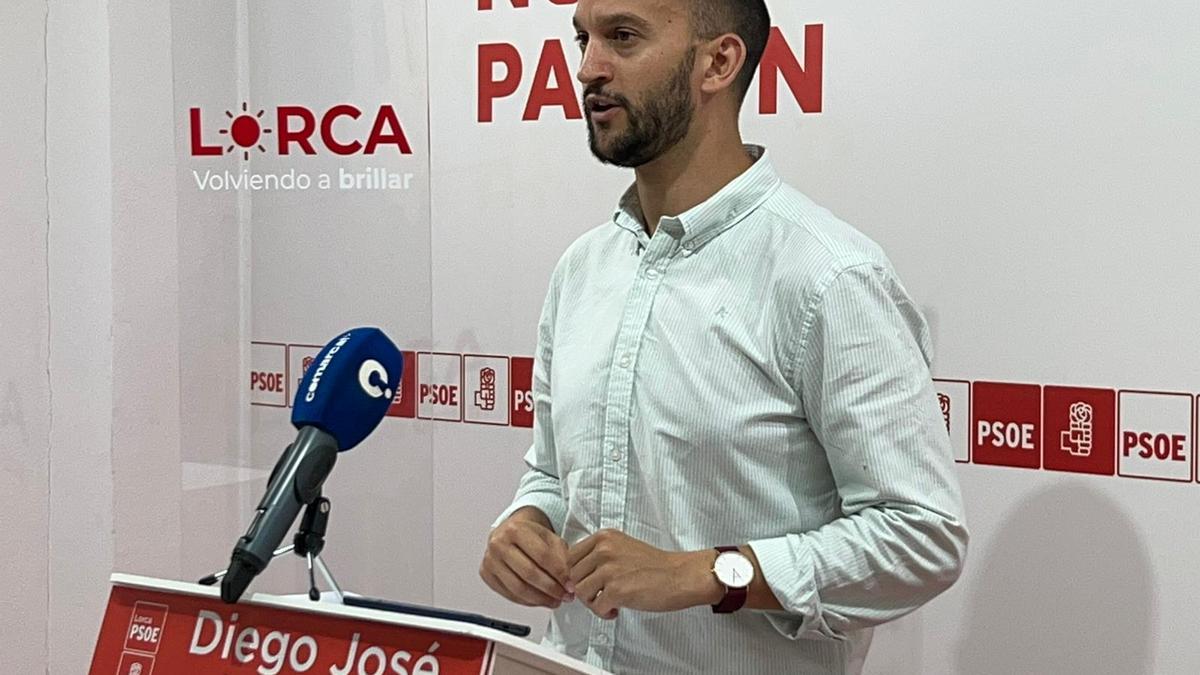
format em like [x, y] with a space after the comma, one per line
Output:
[753, 373]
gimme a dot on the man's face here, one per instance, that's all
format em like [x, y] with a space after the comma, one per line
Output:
[637, 71]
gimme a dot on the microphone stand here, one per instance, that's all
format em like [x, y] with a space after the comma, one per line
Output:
[308, 544]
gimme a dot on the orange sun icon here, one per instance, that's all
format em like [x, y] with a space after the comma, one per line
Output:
[245, 130]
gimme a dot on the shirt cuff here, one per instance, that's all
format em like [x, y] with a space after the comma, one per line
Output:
[550, 504]
[789, 571]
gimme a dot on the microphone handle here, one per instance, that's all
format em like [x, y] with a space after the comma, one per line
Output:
[298, 477]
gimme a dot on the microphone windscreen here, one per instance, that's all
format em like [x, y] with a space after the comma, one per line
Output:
[349, 386]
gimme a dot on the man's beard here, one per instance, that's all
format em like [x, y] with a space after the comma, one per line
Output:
[654, 127]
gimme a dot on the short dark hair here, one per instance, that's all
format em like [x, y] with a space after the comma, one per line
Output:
[749, 19]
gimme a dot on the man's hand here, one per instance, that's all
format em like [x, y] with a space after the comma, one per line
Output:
[526, 561]
[611, 570]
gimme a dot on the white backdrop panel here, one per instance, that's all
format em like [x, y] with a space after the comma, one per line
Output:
[299, 260]
[1026, 166]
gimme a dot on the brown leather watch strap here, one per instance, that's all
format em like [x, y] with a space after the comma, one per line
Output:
[735, 598]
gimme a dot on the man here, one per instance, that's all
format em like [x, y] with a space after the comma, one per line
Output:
[724, 365]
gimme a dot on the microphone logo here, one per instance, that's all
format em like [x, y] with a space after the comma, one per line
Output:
[365, 371]
[311, 394]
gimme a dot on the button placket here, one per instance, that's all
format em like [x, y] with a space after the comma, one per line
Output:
[614, 475]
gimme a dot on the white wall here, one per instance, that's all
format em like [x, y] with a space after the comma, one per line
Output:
[24, 330]
[214, 248]
[146, 306]
[91, 403]
[79, 268]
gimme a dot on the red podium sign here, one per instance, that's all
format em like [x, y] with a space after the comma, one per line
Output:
[151, 632]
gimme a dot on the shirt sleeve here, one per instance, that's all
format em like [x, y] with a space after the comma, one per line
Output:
[540, 486]
[862, 372]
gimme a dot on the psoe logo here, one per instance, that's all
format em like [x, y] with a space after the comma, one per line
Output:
[944, 402]
[292, 129]
[146, 627]
[1077, 439]
[485, 396]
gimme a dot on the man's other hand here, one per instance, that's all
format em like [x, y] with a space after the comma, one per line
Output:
[526, 561]
[611, 570]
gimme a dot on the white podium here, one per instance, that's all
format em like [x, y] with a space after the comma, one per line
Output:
[161, 627]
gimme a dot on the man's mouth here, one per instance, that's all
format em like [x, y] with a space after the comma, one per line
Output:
[601, 103]
[602, 109]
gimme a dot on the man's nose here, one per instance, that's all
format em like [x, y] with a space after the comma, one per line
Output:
[595, 66]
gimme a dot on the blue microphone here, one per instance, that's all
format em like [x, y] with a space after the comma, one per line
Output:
[348, 388]
[344, 395]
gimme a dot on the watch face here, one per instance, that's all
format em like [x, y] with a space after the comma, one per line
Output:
[734, 570]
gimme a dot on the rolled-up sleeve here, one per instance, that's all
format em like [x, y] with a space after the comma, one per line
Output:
[861, 368]
[540, 486]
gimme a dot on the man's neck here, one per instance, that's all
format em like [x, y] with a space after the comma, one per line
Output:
[689, 173]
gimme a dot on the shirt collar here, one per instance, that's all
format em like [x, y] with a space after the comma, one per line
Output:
[716, 214]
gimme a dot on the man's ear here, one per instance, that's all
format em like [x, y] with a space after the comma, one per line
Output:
[724, 58]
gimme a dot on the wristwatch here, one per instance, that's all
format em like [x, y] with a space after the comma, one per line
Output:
[735, 572]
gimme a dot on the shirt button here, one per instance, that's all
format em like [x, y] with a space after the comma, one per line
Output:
[625, 361]
[615, 454]
[602, 639]
[651, 273]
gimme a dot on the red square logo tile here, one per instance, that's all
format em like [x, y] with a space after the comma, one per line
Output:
[146, 626]
[954, 397]
[299, 358]
[521, 398]
[439, 386]
[487, 389]
[1155, 435]
[268, 379]
[135, 664]
[405, 402]
[1079, 430]
[1006, 421]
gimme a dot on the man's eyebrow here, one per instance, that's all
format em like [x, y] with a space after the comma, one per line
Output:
[623, 18]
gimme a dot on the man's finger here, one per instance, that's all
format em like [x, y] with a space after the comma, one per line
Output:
[493, 581]
[533, 574]
[587, 590]
[581, 550]
[584, 568]
[547, 550]
[605, 605]
[517, 590]
[557, 564]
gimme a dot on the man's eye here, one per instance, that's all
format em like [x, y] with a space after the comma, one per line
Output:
[625, 36]
[581, 40]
